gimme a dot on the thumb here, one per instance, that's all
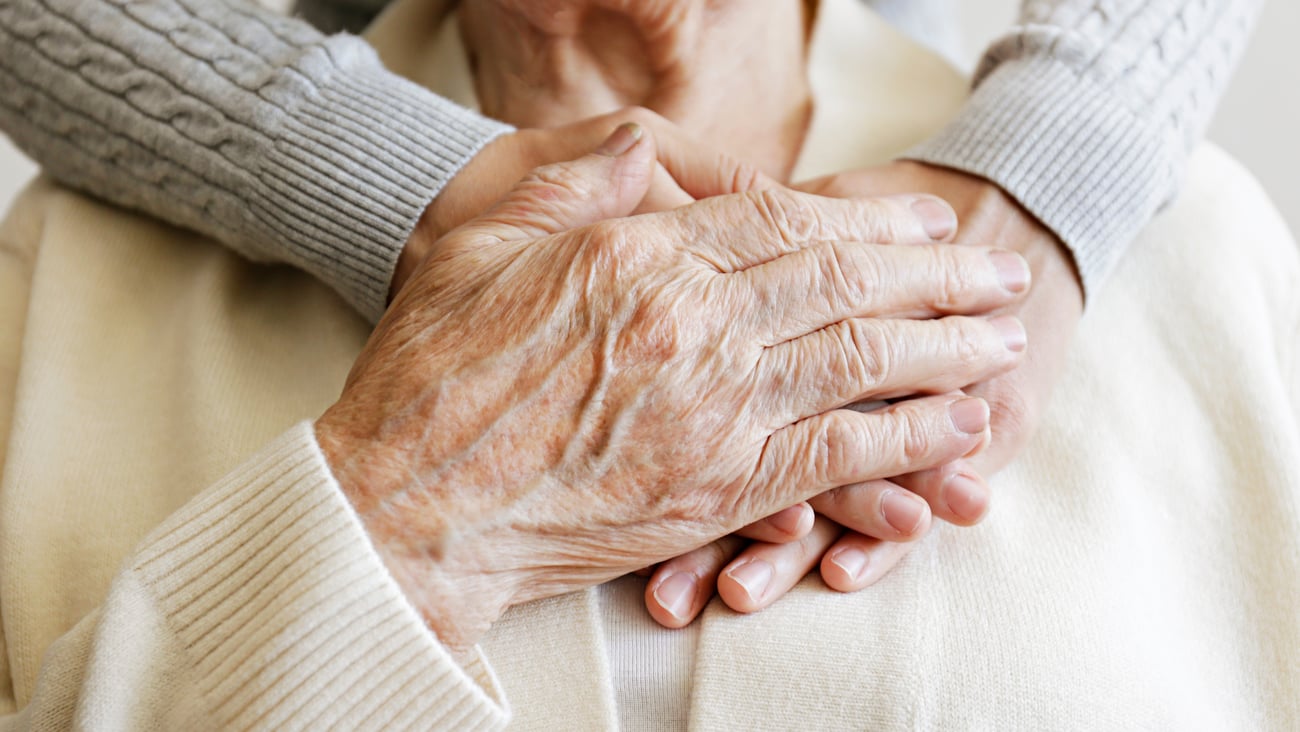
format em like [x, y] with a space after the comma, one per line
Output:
[606, 183]
[702, 173]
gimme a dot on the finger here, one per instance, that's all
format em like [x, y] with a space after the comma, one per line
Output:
[703, 173]
[607, 183]
[868, 183]
[664, 194]
[783, 526]
[735, 232]
[682, 586]
[864, 358]
[955, 492]
[877, 508]
[698, 171]
[841, 447]
[838, 280]
[762, 573]
[857, 561]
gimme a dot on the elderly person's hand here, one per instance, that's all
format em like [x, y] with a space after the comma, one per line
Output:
[551, 402]
[857, 549]
[1050, 313]
[685, 171]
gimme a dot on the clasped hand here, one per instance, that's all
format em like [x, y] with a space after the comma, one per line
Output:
[559, 395]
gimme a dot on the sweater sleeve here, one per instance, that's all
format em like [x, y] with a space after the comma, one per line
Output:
[1087, 110]
[225, 118]
[260, 604]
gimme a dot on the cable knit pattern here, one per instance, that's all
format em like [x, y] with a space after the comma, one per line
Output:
[1087, 110]
[292, 147]
[243, 125]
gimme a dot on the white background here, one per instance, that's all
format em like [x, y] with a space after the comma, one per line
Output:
[1258, 120]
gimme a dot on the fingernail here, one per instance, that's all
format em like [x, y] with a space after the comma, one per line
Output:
[970, 415]
[789, 520]
[1012, 270]
[966, 497]
[852, 561]
[753, 577]
[903, 512]
[1012, 331]
[674, 594]
[620, 140]
[937, 218]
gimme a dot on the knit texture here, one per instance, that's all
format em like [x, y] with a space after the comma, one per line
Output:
[240, 574]
[1087, 110]
[291, 147]
[240, 124]
[1150, 563]
[1138, 575]
[233, 586]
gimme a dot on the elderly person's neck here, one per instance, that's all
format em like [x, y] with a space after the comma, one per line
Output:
[726, 70]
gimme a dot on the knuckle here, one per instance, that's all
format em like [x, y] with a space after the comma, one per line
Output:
[954, 279]
[881, 222]
[847, 274]
[837, 448]
[791, 216]
[868, 353]
[744, 176]
[871, 270]
[914, 442]
[968, 347]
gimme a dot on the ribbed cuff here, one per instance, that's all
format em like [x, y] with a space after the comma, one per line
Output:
[355, 163]
[1068, 148]
[290, 617]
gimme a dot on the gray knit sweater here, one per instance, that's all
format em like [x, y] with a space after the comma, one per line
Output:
[295, 147]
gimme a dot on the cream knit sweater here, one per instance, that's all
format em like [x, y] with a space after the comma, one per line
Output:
[167, 562]
[292, 147]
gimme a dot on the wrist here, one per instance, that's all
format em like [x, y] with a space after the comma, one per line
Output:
[428, 230]
[457, 603]
[485, 178]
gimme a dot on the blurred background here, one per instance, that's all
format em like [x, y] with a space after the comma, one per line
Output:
[1258, 120]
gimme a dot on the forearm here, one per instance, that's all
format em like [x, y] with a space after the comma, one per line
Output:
[1087, 116]
[222, 117]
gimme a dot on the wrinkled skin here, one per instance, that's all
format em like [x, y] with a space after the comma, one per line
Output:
[556, 398]
[955, 492]
[685, 171]
[676, 56]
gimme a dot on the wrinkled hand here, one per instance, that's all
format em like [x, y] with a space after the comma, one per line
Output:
[685, 172]
[1051, 312]
[863, 531]
[552, 402]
